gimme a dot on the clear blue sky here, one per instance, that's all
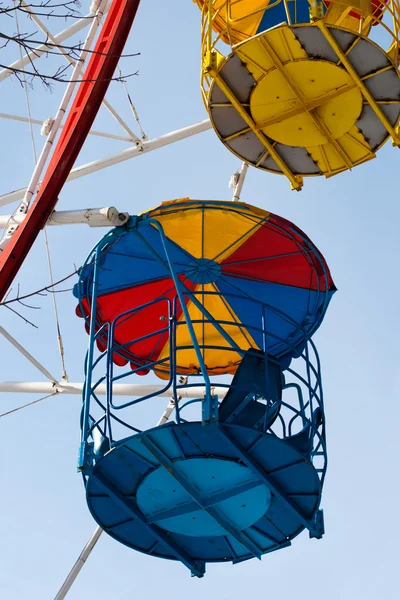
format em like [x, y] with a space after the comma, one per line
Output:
[353, 219]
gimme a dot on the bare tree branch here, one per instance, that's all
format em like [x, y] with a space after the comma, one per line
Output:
[28, 43]
[31, 45]
[22, 317]
[70, 6]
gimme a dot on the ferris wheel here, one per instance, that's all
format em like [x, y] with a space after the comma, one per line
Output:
[210, 304]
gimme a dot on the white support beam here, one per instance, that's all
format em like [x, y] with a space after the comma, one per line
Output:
[43, 48]
[73, 574]
[31, 190]
[29, 357]
[239, 181]
[119, 389]
[94, 217]
[132, 152]
[71, 61]
[111, 136]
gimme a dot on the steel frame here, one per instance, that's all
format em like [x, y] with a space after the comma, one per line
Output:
[126, 390]
[114, 159]
[213, 511]
[21, 119]
[130, 508]
[77, 26]
[72, 62]
[91, 92]
[216, 28]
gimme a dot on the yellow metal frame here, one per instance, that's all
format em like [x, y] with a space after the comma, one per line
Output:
[295, 180]
[212, 60]
[391, 9]
[359, 82]
[210, 39]
[305, 106]
[335, 14]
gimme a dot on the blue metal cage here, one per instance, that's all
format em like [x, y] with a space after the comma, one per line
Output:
[235, 467]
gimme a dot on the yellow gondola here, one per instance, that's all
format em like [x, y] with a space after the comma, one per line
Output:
[306, 90]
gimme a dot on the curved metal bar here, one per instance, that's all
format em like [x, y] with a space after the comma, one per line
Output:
[184, 309]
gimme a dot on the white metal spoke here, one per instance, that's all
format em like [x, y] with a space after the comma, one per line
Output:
[111, 110]
[72, 62]
[73, 574]
[111, 136]
[32, 187]
[31, 359]
[14, 410]
[133, 152]
[43, 48]
[241, 176]
[119, 389]
[94, 217]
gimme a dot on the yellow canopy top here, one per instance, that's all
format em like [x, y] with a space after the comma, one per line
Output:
[235, 20]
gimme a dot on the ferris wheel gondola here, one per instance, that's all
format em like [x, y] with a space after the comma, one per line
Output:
[237, 291]
[306, 89]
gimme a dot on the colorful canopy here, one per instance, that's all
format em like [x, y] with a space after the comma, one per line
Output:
[247, 18]
[240, 270]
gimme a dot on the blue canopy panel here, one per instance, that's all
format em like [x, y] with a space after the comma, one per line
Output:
[294, 304]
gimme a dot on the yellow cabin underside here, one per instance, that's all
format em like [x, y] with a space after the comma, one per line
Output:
[304, 100]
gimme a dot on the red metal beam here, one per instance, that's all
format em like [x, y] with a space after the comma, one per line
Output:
[85, 107]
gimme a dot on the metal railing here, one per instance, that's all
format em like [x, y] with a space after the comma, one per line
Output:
[221, 21]
[107, 423]
[114, 355]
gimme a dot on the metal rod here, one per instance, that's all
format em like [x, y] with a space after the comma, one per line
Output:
[168, 412]
[49, 143]
[132, 152]
[73, 574]
[89, 361]
[31, 359]
[158, 533]
[240, 181]
[214, 512]
[43, 48]
[110, 136]
[108, 216]
[113, 112]
[119, 389]
[86, 104]
[72, 62]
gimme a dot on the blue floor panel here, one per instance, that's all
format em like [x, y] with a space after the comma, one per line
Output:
[203, 493]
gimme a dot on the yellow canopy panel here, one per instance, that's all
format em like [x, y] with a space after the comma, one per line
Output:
[236, 20]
